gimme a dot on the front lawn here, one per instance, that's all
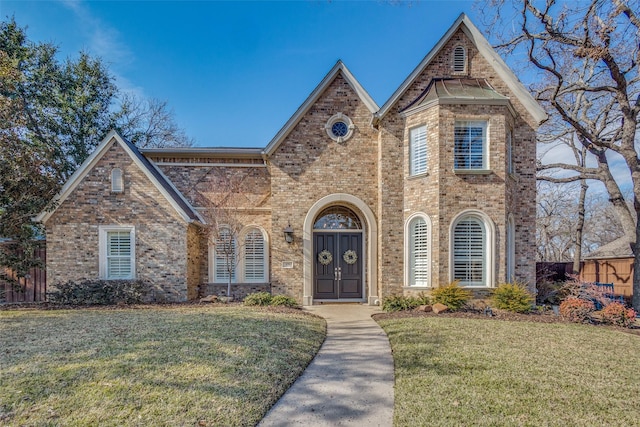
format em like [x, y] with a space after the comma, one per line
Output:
[157, 366]
[453, 371]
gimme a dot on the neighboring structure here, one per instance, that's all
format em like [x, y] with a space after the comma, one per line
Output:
[348, 202]
[611, 263]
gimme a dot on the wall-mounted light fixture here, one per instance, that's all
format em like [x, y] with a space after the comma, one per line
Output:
[288, 234]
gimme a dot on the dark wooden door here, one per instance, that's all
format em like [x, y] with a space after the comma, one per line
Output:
[336, 275]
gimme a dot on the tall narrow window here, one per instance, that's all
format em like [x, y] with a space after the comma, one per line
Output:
[469, 250]
[510, 152]
[418, 150]
[117, 252]
[470, 145]
[117, 183]
[254, 256]
[459, 59]
[225, 257]
[511, 249]
[419, 252]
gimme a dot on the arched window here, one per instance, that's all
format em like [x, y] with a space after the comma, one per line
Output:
[418, 251]
[255, 257]
[337, 218]
[459, 59]
[472, 251]
[225, 256]
[117, 183]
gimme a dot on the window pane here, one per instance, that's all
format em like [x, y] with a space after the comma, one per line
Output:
[468, 253]
[225, 257]
[119, 263]
[419, 258]
[418, 150]
[469, 145]
[337, 218]
[254, 261]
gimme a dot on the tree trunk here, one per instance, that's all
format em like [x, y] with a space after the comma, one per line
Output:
[579, 228]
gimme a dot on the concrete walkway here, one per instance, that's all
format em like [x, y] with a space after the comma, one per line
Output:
[350, 381]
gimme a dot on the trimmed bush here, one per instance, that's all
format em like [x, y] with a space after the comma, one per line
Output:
[284, 300]
[100, 292]
[452, 295]
[513, 297]
[403, 303]
[617, 314]
[576, 309]
[258, 298]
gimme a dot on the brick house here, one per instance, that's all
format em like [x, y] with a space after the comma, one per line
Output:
[349, 201]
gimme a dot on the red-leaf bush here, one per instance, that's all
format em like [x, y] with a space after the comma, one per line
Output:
[576, 309]
[617, 314]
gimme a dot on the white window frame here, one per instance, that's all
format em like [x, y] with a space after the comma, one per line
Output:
[103, 232]
[489, 232]
[484, 125]
[418, 165]
[409, 250]
[239, 274]
[117, 180]
[265, 255]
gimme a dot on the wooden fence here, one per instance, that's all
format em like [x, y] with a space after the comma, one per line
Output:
[32, 287]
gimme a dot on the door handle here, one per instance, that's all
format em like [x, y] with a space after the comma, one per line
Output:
[335, 274]
[339, 273]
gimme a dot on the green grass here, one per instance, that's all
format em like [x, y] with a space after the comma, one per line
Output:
[495, 373]
[151, 366]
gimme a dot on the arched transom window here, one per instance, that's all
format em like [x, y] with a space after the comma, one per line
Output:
[337, 218]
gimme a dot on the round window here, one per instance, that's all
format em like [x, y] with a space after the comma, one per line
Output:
[339, 127]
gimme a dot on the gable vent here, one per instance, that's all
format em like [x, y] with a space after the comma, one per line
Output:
[459, 60]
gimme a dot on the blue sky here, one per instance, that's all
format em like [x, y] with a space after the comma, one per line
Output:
[234, 72]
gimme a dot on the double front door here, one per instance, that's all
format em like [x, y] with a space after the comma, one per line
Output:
[338, 265]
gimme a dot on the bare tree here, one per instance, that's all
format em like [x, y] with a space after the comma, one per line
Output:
[587, 57]
[149, 123]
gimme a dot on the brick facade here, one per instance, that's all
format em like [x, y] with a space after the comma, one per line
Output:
[303, 170]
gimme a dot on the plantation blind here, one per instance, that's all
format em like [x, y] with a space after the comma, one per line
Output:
[119, 260]
[469, 252]
[254, 257]
[418, 150]
[419, 250]
[225, 257]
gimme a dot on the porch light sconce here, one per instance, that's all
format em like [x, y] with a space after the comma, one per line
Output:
[288, 234]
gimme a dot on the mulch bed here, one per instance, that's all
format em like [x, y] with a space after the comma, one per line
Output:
[534, 316]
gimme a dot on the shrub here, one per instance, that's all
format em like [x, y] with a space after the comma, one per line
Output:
[576, 309]
[284, 300]
[258, 298]
[100, 292]
[452, 295]
[513, 297]
[402, 303]
[617, 314]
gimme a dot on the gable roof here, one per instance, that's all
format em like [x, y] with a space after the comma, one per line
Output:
[161, 182]
[492, 57]
[619, 248]
[339, 68]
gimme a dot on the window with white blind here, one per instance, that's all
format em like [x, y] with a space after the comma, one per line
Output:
[255, 260]
[470, 145]
[225, 256]
[117, 252]
[418, 150]
[245, 260]
[117, 182]
[419, 248]
[469, 252]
